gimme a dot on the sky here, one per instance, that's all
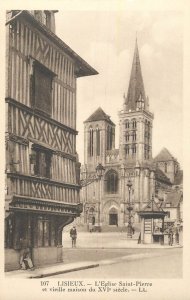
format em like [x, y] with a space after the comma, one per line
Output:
[106, 40]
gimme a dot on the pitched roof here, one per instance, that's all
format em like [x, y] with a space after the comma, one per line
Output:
[84, 69]
[173, 198]
[178, 178]
[164, 155]
[153, 208]
[99, 115]
[136, 85]
[160, 176]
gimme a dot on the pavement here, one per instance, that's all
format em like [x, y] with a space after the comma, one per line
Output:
[112, 244]
[107, 240]
[60, 268]
[71, 267]
[162, 264]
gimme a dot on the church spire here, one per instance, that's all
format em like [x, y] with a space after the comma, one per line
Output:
[136, 99]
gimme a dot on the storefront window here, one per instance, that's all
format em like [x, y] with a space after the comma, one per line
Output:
[44, 238]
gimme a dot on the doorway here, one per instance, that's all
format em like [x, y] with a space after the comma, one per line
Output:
[113, 216]
[113, 219]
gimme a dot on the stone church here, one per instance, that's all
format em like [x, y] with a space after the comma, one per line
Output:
[106, 198]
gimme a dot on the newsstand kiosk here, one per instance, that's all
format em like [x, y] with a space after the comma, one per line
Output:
[152, 223]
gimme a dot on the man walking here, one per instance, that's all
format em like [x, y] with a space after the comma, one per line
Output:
[25, 257]
[170, 237]
[73, 235]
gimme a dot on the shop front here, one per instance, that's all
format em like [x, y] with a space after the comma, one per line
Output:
[40, 224]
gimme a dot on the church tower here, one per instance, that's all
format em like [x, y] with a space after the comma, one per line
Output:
[99, 137]
[135, 144]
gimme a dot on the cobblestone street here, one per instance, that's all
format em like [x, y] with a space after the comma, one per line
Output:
[105, 240]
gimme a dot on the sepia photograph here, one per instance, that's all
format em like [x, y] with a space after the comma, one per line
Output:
[93, 119]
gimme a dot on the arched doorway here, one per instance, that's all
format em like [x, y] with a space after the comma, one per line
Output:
[113, 216]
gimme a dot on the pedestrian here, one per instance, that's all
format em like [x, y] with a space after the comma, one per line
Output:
[177, 236]
[170, 237]
[73, 235]
[25, 257]
[90, 226]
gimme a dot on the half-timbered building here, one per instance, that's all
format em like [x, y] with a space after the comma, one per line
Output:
[42, 169]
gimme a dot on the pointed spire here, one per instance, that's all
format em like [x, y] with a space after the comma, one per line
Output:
[136, 98]
[136, 40]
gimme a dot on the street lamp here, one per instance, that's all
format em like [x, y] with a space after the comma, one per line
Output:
[87, 181]
[129, 208]
[99, 172]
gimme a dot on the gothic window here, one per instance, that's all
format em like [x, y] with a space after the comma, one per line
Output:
[127, 124]
[134, 136]
[134, 149]
[97, 141]
[41, 92]
[109, 137]
[127, 137]
[134, 123]
[40, 162]
[148, 152]
[148, 132]
[91, 142]
[145, 152]
[113, 137]
[127, 150]
[165, 168]
[111, 181]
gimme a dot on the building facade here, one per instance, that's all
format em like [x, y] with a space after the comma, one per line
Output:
[42, 168]
[106, 201]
